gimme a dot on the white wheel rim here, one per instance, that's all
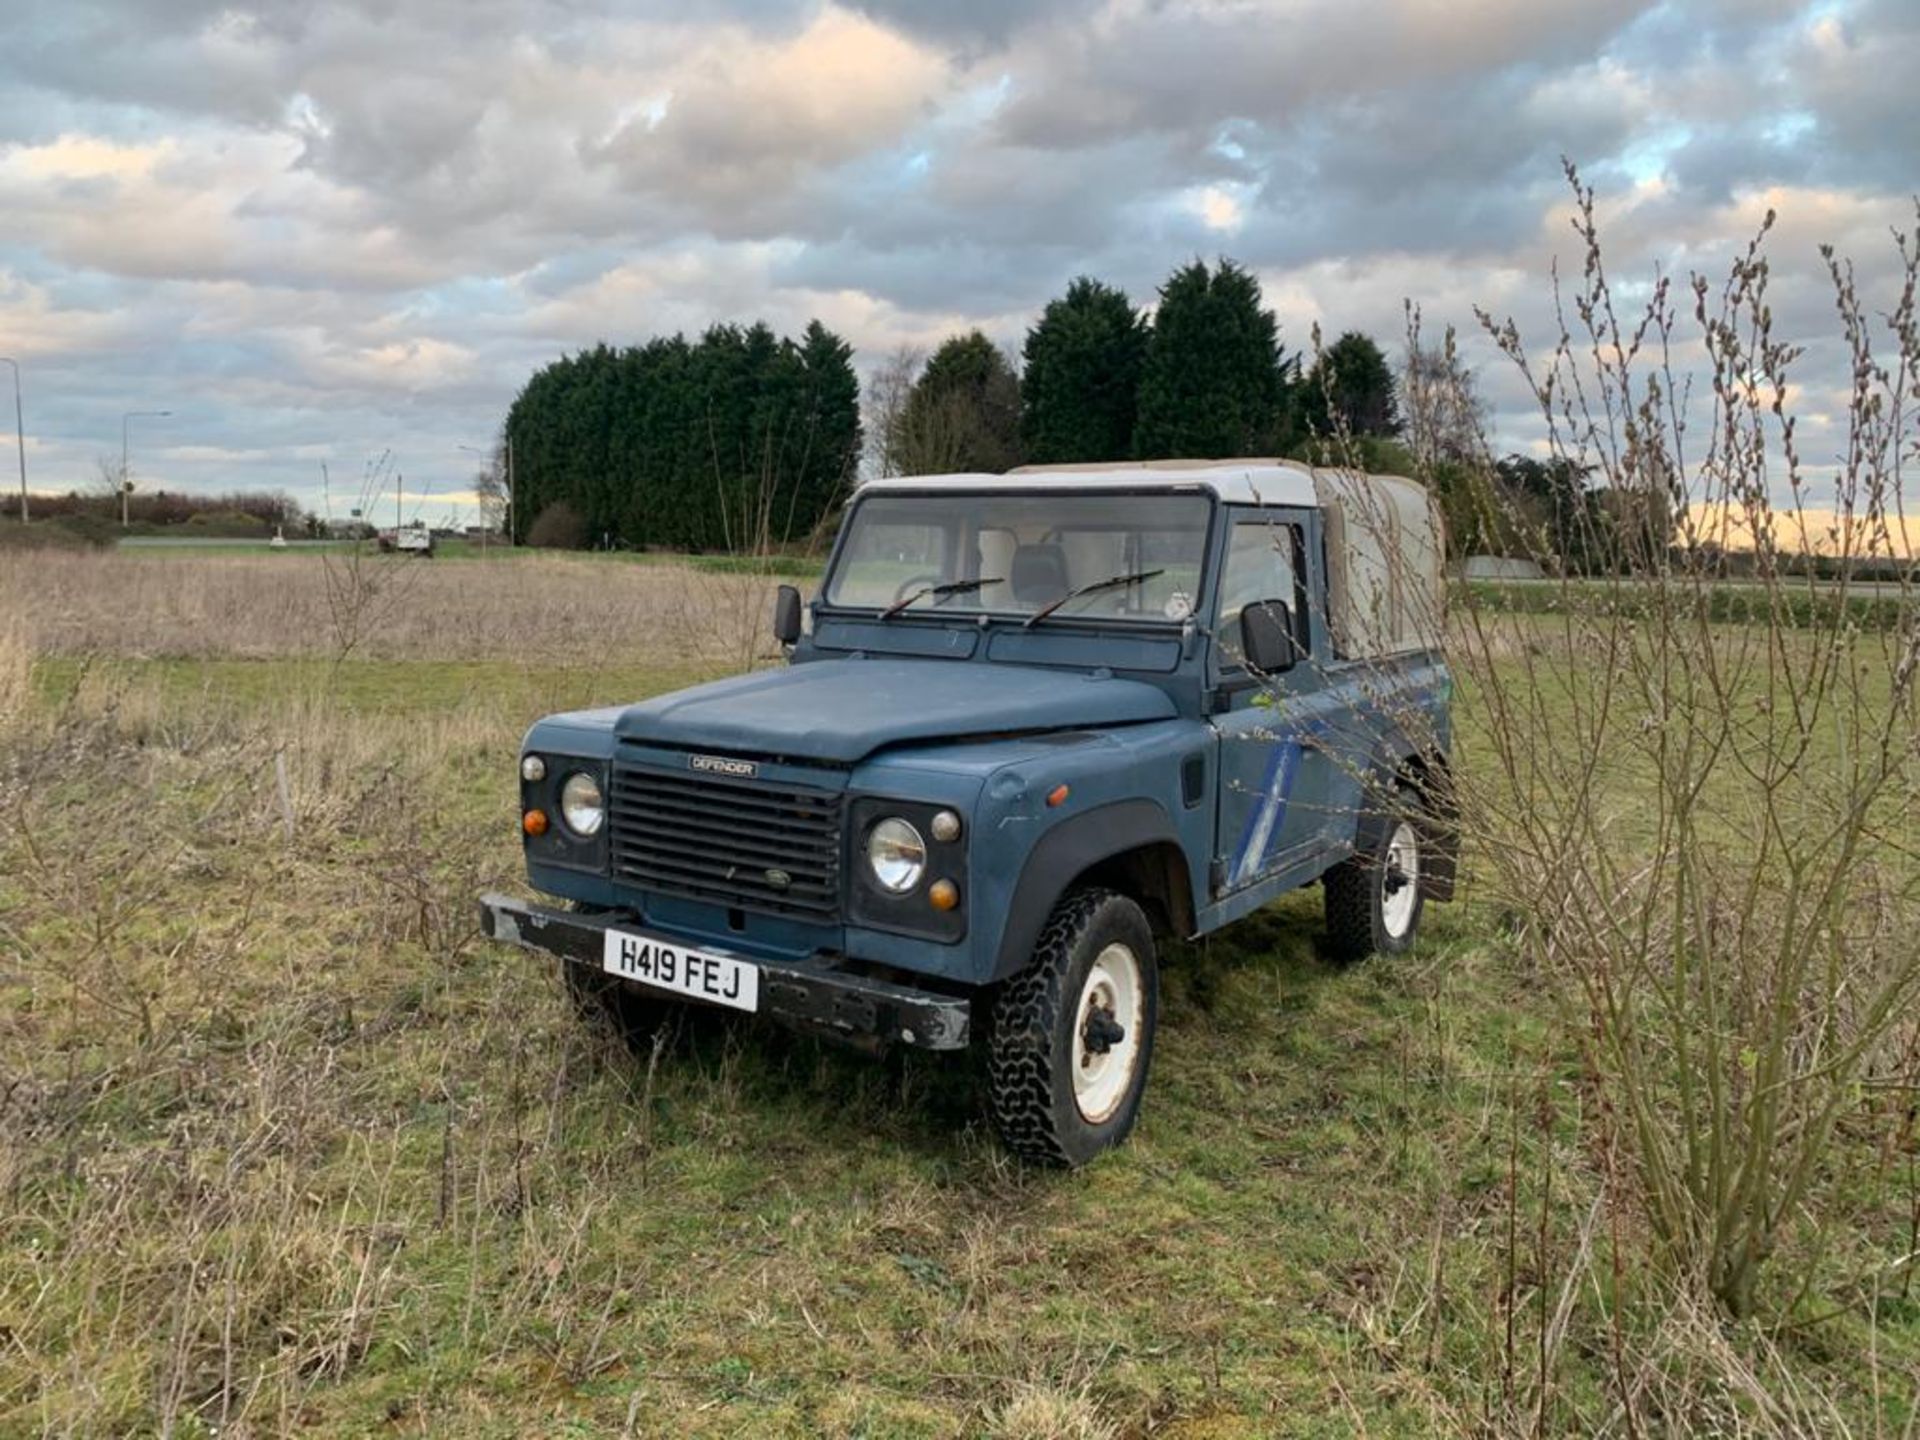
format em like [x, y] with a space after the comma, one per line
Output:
[1400, 881]
[1101, 1078]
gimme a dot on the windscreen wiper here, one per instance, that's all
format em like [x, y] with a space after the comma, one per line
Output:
[1112, 582]
[955, 587]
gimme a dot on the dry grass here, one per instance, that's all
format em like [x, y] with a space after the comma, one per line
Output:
[16, 667]
[559, 609]
[1036, 1413]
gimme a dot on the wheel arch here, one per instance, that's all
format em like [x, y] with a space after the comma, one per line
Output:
[1154, 876]
[1130, 846]
[1398, 764]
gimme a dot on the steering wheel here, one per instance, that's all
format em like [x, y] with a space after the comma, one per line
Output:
[912, 584]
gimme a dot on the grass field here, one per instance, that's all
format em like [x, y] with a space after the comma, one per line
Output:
[285, 1147]
[166, 546]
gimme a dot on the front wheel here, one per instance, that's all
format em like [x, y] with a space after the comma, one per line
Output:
[1072, 1035]
[1374, 900]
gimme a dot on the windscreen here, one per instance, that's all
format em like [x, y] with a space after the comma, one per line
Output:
[1017, 554]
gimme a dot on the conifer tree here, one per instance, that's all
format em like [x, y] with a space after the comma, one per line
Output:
[1080, 378]
[1215, 381]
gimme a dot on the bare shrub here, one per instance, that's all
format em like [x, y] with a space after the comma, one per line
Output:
[1687, 766]
[364, 585]
[1703, 831]
[558, 527]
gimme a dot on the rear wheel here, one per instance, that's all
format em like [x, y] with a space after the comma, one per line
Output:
[1374, 901]
[1072, 1035]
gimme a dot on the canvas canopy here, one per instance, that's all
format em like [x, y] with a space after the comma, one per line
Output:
[1385, 549]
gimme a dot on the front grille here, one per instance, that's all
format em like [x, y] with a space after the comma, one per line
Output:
[743, 843]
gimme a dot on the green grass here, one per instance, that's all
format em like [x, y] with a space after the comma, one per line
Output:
[772, 1236]
[284, 1136]
[1872, 606]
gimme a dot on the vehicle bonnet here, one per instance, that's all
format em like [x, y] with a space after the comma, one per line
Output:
[840, 711]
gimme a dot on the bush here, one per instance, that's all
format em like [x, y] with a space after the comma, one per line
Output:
[1695, 796]
[227, 524]
[66, 532]
[558, 527]
[35, 537]
[95, 530]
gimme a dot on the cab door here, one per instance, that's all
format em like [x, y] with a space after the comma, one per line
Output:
[1285, 800]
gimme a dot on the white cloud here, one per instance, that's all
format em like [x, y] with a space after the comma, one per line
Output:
[1218, 206]
[315, 232]
[82, 157]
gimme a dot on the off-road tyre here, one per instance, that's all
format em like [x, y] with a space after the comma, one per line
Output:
[1357, 891]
[1031, 1094]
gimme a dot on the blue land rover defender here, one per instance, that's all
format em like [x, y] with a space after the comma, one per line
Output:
[1031, 724]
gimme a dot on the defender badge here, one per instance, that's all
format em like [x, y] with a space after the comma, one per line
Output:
[723, 765]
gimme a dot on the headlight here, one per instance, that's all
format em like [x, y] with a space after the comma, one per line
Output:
[897, 855]
[582, 805]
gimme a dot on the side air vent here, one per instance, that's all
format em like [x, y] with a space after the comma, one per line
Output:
[1193, 778]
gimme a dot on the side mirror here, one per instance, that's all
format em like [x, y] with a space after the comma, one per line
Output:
[786, 615]
[1266, 636]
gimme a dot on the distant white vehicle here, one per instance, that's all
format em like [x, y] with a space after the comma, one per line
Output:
[279, 541]
[414, 539]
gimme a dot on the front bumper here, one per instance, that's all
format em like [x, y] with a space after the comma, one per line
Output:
[856, 1008]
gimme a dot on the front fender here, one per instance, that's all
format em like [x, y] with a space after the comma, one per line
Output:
[1069, 850]
[1125, 788]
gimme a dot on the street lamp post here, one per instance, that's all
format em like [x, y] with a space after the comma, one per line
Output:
[126, 477]
[476, 450]
[508, 446]
[19, 434]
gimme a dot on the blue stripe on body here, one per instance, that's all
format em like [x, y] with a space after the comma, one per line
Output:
[1263, 826]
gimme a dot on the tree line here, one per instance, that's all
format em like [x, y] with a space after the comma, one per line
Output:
[742, 440]
[1206, 374]
[734, 441]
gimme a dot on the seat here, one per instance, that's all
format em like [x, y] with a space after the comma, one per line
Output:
[1038, 574]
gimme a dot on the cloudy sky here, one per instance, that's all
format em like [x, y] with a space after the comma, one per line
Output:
[315, 231]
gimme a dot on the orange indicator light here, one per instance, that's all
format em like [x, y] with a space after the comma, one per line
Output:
[1057, 796]
[943, 895]
[534, 822]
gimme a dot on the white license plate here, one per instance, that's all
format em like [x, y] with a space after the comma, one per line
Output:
[696, 974]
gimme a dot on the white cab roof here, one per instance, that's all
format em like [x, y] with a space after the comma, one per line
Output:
[1239, 482]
